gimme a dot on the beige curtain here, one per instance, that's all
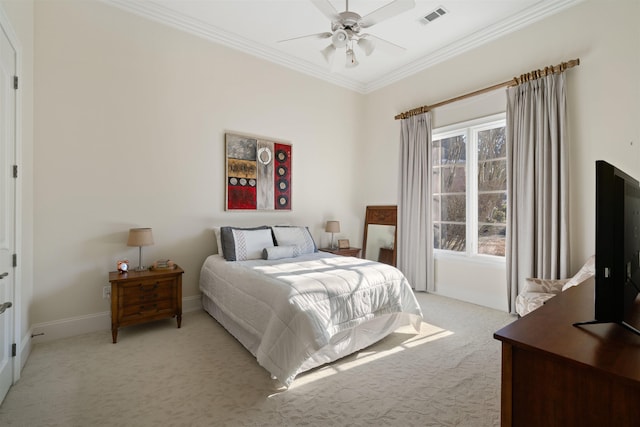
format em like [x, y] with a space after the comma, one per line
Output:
[415, 231]
[538, 208]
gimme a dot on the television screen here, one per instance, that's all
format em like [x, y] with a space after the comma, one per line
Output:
[617, 245]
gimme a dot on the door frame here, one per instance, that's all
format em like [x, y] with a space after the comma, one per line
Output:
[17, 309]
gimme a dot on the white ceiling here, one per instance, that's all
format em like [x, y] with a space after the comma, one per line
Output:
[257, 26]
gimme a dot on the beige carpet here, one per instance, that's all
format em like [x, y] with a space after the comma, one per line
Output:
[158, 375]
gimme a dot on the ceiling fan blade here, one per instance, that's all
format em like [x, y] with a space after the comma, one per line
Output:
[315, 36]
[327, 9]
[387, 11]
[384, 45]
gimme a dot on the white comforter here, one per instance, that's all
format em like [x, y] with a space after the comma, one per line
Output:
[295, 306]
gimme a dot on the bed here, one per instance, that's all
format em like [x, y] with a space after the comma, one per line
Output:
[300, 308]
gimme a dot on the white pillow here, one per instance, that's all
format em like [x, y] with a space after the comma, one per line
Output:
[216, 231]
[295, 236]
[244, 243]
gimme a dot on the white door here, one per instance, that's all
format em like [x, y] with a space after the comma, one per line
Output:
[7, 208]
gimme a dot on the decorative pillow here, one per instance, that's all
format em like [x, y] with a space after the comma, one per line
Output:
[548, 286]
[295, 236]
[239, 244]
[279, 252]
[587, 270]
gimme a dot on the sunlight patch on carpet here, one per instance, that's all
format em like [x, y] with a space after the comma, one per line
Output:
[402, 339]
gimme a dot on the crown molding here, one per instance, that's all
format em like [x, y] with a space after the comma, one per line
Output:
[158, 13]
[518, 21]
[198, 28]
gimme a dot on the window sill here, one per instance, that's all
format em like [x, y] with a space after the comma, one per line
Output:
[466, 258]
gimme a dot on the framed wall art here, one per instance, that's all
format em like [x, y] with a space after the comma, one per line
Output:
[258, 173]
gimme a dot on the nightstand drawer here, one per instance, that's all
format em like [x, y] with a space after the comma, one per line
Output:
[144, 291]
[146, 309]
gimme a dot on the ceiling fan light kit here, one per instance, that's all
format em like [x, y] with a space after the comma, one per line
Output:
[366, 45]
[328, 53]
[340, 38]
[346, 27]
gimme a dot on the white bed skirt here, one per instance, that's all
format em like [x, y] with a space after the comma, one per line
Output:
[342, 344]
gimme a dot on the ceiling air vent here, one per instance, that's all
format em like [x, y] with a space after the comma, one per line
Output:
[430, 17]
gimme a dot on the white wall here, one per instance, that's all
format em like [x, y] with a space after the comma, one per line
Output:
[129, 131]
[603, 102]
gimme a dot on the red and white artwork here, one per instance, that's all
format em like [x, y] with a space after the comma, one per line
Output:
[258, 173]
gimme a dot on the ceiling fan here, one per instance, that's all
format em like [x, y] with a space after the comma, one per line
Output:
[346, 27]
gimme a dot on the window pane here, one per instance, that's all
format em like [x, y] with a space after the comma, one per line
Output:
[436, 180]
[435, 209]
[452, 207]
[452, 151]
[492, 175]
[435, 152]
[492, 240]
[449, 236]
[492, 208]
[449, 179]
[492, 144]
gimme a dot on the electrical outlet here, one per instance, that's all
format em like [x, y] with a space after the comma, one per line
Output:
[106, 292]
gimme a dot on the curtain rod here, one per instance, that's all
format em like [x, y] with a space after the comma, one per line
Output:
[532, 75]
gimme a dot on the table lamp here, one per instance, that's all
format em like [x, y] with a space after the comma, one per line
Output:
[140, 237]
[332, 227]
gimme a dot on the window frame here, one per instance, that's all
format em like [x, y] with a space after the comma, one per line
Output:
[470, 130]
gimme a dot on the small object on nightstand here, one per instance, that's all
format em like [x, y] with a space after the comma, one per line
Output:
[123, 266]
[343, 244]
[163, 264]
[354, 252]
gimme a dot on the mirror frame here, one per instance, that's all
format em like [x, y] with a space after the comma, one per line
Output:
[383, 215]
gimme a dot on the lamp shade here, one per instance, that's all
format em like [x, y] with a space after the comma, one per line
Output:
[140, 237]
[332, 227]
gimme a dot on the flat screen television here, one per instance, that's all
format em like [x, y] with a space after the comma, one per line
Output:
[617, 246]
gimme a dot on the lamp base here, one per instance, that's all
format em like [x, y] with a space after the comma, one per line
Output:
[140, 267]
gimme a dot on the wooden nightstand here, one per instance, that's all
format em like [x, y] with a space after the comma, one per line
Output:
[343, 252]
[143, 296]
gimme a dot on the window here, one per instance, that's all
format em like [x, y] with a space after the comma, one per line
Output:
[470, 187]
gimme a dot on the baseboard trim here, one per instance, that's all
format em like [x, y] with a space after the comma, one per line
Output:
[22, 355]
[64, 328]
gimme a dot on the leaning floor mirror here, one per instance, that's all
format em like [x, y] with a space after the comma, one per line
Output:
[379, 241]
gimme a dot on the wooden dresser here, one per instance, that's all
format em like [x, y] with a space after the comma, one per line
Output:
[138, 297]
[556, 374]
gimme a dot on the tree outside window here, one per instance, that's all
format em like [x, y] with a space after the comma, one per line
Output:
[470, 188]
